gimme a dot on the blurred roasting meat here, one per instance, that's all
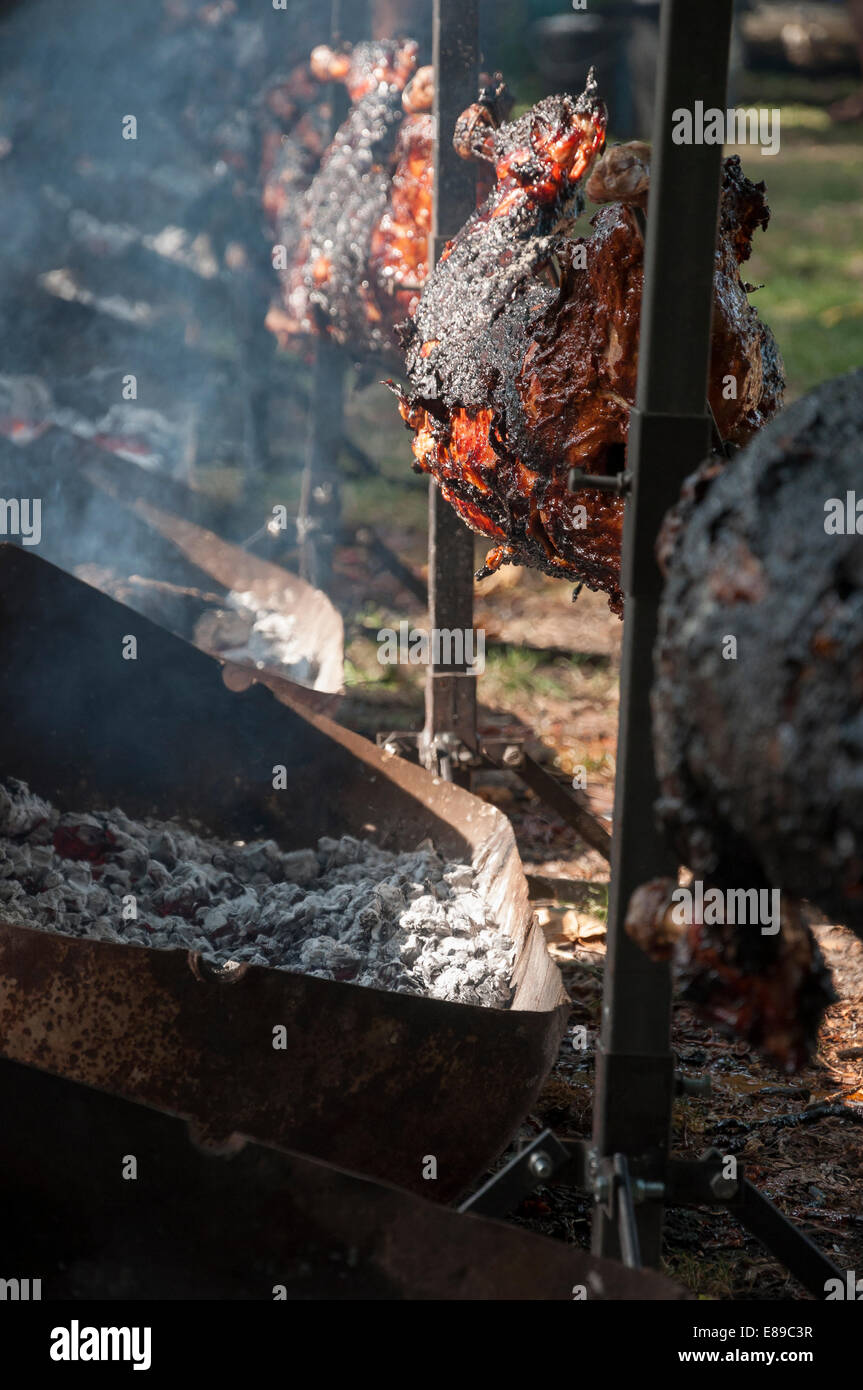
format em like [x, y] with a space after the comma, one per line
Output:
[328, 287]
[293, 142]
[760, 757]
[522, 355]
[769, 990]
[366, 218]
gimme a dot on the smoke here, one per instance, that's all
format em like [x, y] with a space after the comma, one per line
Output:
[135, 270]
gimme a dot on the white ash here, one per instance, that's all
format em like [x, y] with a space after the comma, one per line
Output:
[262, 637]
[348, 910]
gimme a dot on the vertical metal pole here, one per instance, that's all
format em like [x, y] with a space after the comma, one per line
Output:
[450, 695]
[669, 434]
[320, 495]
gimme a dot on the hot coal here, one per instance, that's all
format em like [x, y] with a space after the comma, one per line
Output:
[410, 922]
[144, 436]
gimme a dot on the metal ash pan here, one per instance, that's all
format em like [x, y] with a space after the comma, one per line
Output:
[370, 1079]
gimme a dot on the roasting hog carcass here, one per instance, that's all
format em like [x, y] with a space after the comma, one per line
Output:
[294, 118]
[760, 753]
[522, 355]
[758, 716]
[366, 219]
[328, 289]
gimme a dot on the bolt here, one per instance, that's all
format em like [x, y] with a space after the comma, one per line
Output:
[601, 1188]
[512, 756]
[643, 1190]
[540, 1165]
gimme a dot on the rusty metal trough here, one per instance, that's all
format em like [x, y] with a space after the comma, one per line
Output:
[369, 1080]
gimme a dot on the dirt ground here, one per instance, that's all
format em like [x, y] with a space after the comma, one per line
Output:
[551, 671]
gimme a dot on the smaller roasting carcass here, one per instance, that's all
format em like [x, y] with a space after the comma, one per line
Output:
[328, 289]
[513, 381]
[399, 255]
[366, 218]
[757, 710]
[295, 118]
[367, 1078]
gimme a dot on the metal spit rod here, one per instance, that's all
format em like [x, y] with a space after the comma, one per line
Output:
[450, 694]
[670, 433]
[449, 742]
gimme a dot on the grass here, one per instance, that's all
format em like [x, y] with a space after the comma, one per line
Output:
[522, 671]
[810, 260]
[715, 1278]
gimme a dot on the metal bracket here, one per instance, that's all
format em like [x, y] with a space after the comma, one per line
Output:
[579, 481]
[546, 1158]
[617, 1188]
[507, 754]
[614, 1191]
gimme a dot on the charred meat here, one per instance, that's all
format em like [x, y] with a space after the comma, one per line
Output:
[329, 289]
[294, 120]
[515, 379]
[362, 258]
[756, 710]
[765, 552]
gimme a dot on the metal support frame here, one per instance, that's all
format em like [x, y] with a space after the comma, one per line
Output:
[508, 755]
[623, 1195]
[626, 1167]
[449, 743]
[670, 432]
[450, 721]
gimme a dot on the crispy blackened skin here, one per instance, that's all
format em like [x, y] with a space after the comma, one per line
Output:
[398, 261]
[540, 161]
[509, 396]
[294, 117]
[329, 289]
[469, 336]
[760, 758]
[398, 254]
[384, 245]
